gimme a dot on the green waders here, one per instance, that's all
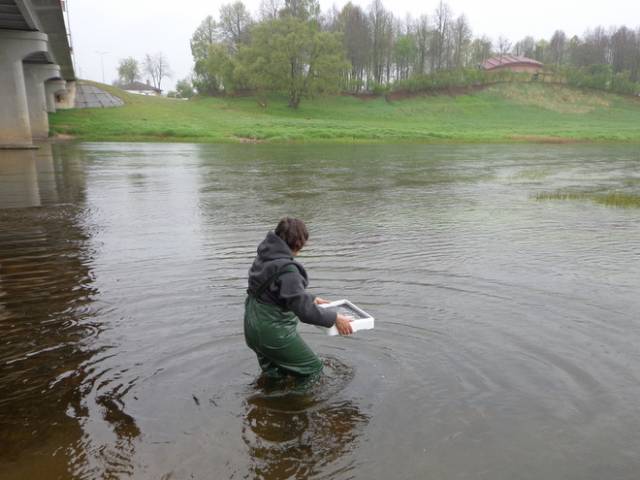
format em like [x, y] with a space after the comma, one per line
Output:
[272, 334]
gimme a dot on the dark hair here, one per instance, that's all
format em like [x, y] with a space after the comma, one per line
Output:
[294, 232]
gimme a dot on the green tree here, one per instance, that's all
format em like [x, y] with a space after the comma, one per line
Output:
[301, 9]
[525, 47]
[461, 34]
[293, 56]
[234, 25]
[128, 70]
[204, 37]
[206, 34]
[404, 52]
[353, 23]
[184, 88]
[221, 68]
[480, 50]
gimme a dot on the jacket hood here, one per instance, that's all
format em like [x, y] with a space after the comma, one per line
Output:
[273, 253]
[274, 248]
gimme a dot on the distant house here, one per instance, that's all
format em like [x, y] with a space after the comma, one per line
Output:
[513, 63]
[140, 88]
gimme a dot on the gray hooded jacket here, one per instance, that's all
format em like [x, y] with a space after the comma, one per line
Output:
[287, 291]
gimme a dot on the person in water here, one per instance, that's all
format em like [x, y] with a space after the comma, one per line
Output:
[277, 298]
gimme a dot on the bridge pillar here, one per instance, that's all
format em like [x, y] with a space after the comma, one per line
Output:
[68, 100]
[51, 88]
[15, 127]
[35, 75]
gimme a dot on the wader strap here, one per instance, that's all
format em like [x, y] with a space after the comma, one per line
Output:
[263, 287]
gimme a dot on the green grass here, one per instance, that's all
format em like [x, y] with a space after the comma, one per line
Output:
[501, 113]
[610, 199]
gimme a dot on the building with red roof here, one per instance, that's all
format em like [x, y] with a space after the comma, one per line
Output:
[513, 63]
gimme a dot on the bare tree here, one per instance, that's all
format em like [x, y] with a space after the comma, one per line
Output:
[525, 47]
[440, 36]
[269, 9]
[381, 21]
[461, 40]
[354, 25]
[423, 36]
[557, 47]
[157, 66]
[504, 45]
[624, 51]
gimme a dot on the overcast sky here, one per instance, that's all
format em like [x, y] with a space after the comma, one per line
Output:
[125, 28]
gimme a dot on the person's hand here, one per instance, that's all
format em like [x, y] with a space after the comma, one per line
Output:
[343, 324]
[320, 301]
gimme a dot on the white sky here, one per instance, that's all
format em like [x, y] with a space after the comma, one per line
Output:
[135, 27]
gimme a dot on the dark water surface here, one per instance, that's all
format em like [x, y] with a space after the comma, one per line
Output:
[507, 340]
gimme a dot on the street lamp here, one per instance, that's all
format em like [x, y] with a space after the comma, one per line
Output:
[102, 54]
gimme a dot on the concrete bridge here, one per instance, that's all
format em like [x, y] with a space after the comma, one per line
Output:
[36, 68]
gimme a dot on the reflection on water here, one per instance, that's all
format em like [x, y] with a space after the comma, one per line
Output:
[49, 321]
[300, 435]
[506, 328]
[46, 323]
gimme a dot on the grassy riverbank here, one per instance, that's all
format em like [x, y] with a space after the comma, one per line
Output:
[500, 113]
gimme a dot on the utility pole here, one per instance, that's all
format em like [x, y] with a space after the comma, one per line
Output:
[102, 54]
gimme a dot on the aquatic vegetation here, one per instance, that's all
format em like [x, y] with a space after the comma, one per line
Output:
[610, 199]
[533, 174]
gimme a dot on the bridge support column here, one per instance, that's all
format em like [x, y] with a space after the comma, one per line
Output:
[35, 75]
[68, 100]
[15, 127]
[51, 88]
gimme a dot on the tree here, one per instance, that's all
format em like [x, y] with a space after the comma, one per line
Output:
[461, 33]
[301, 9]
[557, 47]
[440, 36]
[404, 52]
[220, 69]
[503, 46]
[234, 25]
[206, 34]
[596, 47]
[184, 88]
[269, 9]
[128, 70]
[423, 35]
[157, 67]
[381, 22]
[624, 50]
[541, 51]
[480, 50]
[525, 47]
[353, 23]
[293, 56]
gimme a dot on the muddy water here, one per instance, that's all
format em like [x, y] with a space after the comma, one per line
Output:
[507, 336]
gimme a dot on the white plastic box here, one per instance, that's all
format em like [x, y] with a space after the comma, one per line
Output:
[361, 319]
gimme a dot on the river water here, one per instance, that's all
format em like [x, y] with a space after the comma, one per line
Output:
[507, 339]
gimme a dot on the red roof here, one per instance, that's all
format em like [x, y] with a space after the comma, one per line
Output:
[509, 61]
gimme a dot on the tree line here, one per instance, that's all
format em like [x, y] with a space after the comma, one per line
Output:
[292, 47]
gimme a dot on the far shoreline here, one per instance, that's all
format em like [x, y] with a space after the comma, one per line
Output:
[507, 113]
